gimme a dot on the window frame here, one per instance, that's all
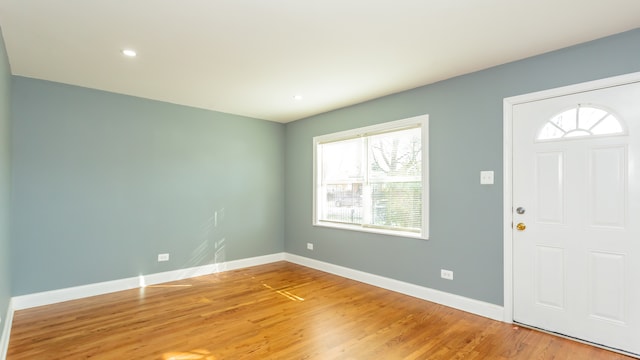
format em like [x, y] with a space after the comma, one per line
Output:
[421, 121]
[577, 107]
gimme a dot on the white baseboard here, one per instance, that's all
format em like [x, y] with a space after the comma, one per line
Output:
[477, 307]
[78, 292]
[6, 331]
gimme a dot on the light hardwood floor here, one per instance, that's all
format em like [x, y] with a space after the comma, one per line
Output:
[274, 311]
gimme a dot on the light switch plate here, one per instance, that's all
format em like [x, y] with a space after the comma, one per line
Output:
[486, 177]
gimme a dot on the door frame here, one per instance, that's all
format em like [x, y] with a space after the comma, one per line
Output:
[507, 133]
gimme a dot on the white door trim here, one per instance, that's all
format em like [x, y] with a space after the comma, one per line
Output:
[508, 104]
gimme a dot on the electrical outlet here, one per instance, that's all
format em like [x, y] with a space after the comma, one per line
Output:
[446, 274]
[309, 246]
[163, 257]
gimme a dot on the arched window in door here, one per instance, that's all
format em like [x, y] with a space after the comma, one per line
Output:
[581, 121]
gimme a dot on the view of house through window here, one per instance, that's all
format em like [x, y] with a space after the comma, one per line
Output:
[374, 178]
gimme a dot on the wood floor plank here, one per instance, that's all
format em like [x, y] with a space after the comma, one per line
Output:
[274, 311]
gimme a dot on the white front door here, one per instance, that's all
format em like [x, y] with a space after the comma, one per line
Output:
[576, 215]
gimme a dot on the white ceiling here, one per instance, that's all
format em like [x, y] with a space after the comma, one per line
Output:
[250, 57]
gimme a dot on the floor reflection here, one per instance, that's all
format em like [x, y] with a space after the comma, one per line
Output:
[199, 354]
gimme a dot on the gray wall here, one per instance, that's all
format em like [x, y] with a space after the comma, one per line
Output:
[5, 187]
[465, 137]
[103, 183]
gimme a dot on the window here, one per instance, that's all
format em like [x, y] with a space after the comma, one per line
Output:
[374, 178]
[581, 121]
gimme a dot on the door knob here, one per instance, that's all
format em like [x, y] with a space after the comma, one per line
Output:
[521, 226]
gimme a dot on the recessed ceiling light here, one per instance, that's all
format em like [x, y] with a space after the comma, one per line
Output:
[297, 97]
[129, 53]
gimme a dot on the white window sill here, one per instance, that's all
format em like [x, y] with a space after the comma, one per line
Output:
[359, 228]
